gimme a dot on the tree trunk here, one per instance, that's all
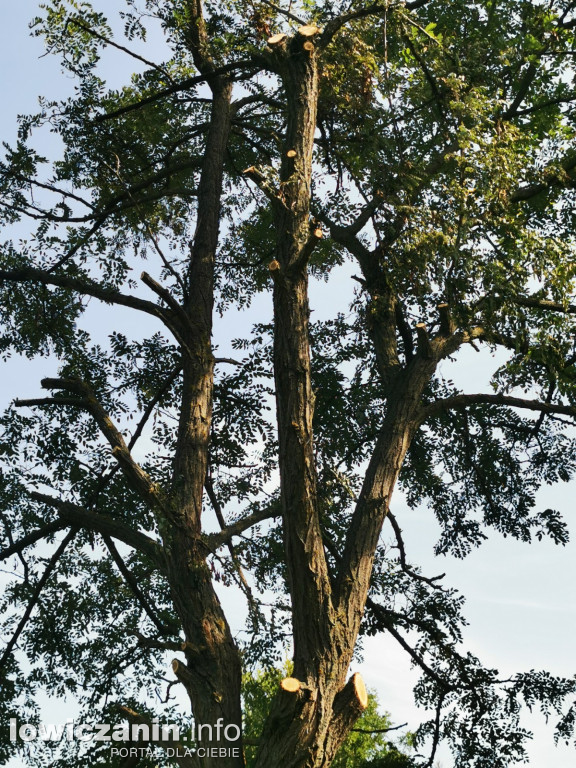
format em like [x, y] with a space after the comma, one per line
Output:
[212, 674]
[314, 711]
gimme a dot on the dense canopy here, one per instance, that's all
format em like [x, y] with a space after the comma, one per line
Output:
[422, 151]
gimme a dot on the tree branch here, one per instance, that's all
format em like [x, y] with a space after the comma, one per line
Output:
[53, 562]
[184, 85]
[379, 611]
[118, 47]
[402, 552]
[283, 12]
[216, 540]
[32, 538]
[532, 190]
[463, 401]
[85, 287]
[133, 584]
[183, 756]
[546, 304]
[75, 515]
[222, 523]
[135, 475]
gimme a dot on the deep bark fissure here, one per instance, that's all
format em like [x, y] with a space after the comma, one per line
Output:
[212, 672]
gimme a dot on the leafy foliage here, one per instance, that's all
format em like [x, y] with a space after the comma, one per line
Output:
[443, 172]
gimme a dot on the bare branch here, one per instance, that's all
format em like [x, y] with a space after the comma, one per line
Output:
[402, 552]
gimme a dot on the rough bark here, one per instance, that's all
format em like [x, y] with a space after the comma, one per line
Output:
[314, 710]
[310, 720]
[212, 674]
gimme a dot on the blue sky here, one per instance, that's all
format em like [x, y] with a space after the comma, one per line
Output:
[519, 598]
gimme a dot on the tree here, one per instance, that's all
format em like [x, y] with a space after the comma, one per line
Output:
[429, 143]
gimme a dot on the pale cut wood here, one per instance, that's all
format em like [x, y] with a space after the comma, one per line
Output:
[360, 690]
[291, 153]
[276, 39]
[290, 685]
[308, 46]
[274, 266]
[308, 30]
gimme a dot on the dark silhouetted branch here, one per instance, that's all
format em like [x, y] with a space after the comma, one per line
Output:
[33, 601]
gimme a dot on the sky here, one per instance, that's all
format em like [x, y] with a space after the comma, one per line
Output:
[519, 598]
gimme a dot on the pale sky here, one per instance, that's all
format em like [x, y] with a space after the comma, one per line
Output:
[519, 597]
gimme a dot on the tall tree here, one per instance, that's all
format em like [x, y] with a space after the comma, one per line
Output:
[427, 142]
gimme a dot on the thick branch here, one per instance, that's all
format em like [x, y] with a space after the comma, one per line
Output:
[555, 180]
[75, 515]
[402, 419]
[308, 576]
[546, 304]
[83, 286]
[464, 401]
